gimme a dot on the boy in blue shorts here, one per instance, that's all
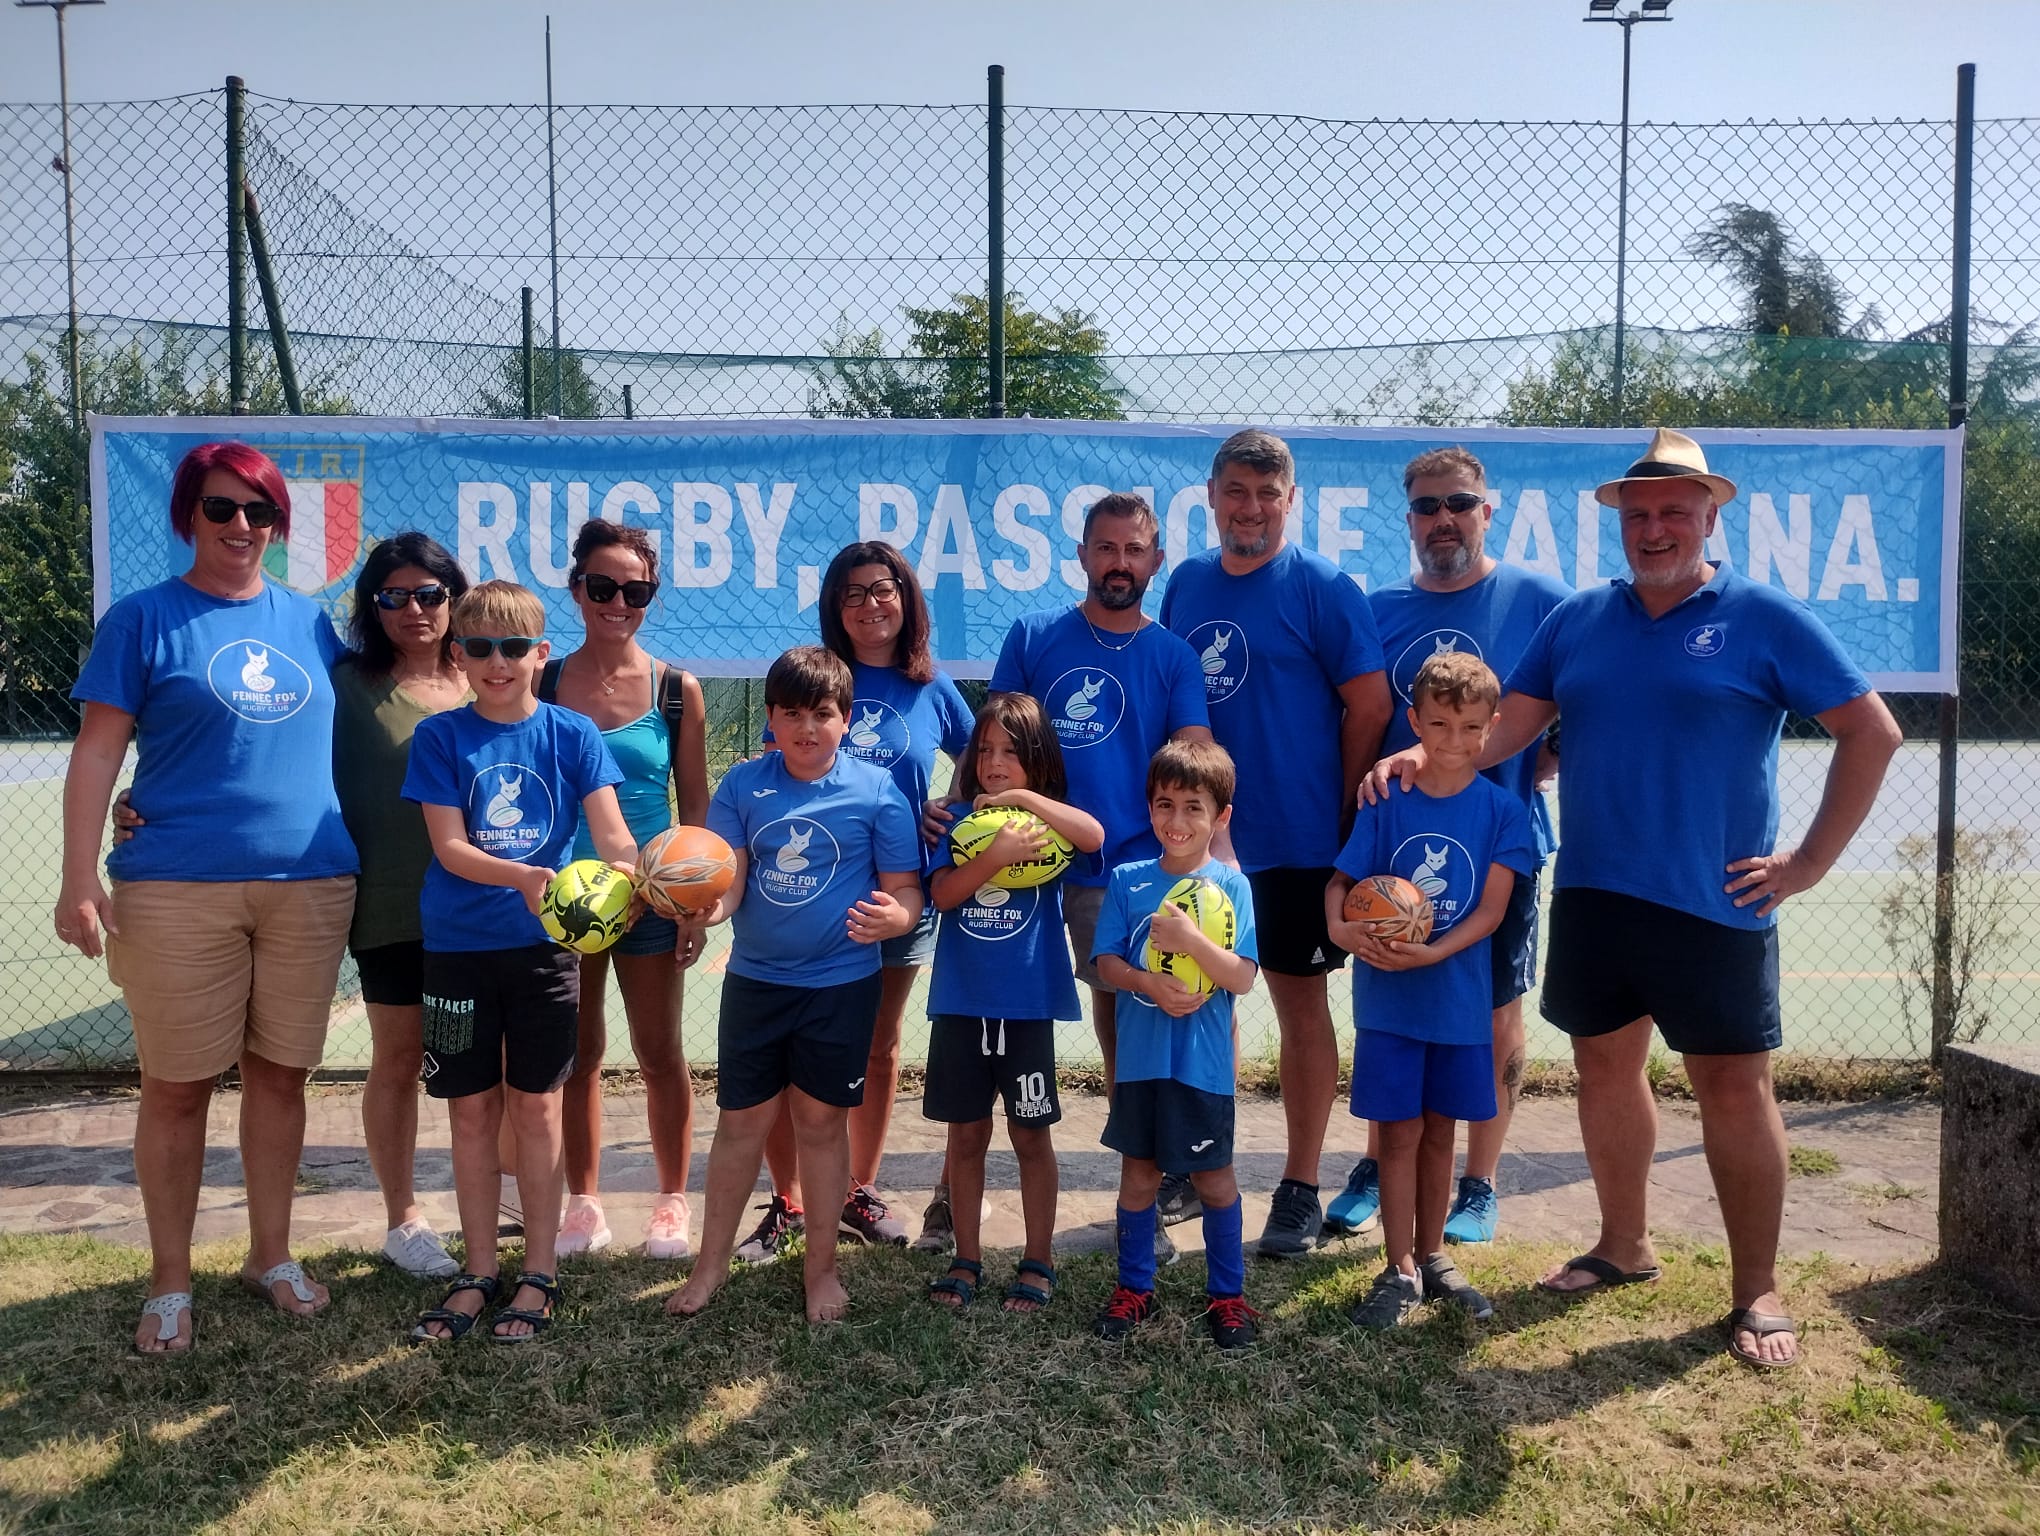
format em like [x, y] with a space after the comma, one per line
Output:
[1173, 1103]
[500, 784]
[828, 865]
[1423, 1050]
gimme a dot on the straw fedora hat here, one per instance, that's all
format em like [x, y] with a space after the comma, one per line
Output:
[1670, 456]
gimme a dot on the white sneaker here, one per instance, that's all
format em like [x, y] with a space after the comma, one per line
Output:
[666, 1231]
[419, 1251]
[583, 1229]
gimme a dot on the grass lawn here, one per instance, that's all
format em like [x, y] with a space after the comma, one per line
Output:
[1918, 1409]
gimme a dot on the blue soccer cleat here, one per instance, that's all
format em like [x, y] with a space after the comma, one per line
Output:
[1475, 1212]
[1357, 1206]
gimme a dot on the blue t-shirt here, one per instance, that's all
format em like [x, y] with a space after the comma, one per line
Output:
[1445, 848]
[1196, 1049]
[1492, 619]
[815, 848]
[1274, 646]
[1112, 705]
[1003, 954]
[233, 712]
[519, 787]
[1671, 730]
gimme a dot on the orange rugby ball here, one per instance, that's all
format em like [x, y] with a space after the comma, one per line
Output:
[684, 870]
[1389, 907]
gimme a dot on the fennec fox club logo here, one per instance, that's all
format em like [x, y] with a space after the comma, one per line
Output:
[994, 912]
[878, 733]
[1443, 870]
[1085, 707]
[1222, 656]
[257, 681]
[510, 811]
[793, 860]
[1426, 879]
[1706, 641]
[1432, 642]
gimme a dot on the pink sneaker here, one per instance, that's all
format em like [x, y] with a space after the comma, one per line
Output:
[582, 1229]
[666, 1232]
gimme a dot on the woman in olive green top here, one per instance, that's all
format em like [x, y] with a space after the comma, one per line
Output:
[401, 671]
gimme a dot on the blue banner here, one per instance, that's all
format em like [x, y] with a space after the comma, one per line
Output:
[1862, 525]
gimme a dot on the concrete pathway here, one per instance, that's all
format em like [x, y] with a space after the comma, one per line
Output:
[66, 1165]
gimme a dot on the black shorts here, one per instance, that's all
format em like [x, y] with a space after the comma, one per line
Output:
[972, 1062]
[1289, 922]
[771, 1037]
[1512, 949]
[392, 975]
[1712, 989]
[500, 1016]
[1171, 1124]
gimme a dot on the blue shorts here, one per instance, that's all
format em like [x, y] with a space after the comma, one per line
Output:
[1179, 1128]
[651, 934]
[1512, 950]
[914, 947]
[1397, 1078]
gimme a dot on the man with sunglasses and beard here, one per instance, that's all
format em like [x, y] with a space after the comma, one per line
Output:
[1462, 599]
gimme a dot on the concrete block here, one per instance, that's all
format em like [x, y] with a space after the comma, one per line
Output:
[1990, 1168]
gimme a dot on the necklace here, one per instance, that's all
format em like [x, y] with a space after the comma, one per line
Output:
[1099, 639]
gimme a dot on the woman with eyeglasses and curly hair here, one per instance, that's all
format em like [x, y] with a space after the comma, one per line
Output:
[226, 922]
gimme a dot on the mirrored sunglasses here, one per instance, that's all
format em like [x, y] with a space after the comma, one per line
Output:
[1459, 503]
[431, 595]
[221, 509]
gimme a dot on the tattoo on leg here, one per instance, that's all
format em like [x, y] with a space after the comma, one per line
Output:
[1512, 1076]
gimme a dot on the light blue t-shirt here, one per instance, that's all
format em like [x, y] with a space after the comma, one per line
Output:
[1670, 730]
[1003, 954]
[519, 788]
[1197, 1049]
[1111, 706]
[1274, 646]
[1493, 619]
[1446, 849]
[233, 712]
[815, 848]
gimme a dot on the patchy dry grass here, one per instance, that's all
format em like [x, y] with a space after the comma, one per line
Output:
[1916, 1411]
[1812, 1163]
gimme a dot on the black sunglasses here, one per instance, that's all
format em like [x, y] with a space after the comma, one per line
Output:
[431, 595]
[603, 589]
[221, 509]
[1459, 503]
[513, 647]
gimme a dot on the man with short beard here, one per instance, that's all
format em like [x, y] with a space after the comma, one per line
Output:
[1463, 599]
[1293, 675]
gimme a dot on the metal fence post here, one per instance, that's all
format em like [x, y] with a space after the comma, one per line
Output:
[1951, 701]
[995, 238]
[272, 305]
[530, 364]
[237, 244]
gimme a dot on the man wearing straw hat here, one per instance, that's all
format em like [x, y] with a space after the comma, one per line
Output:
[1674, 687]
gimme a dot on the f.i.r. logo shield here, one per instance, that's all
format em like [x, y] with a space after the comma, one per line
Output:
[325, 515]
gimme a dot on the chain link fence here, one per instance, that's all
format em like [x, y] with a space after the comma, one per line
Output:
[762, 262]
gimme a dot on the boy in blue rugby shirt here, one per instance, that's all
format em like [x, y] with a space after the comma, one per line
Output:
[1173, 1103]
[828, 865]
[1423, 1051]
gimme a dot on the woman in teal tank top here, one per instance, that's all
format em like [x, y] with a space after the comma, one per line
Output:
[616, 683]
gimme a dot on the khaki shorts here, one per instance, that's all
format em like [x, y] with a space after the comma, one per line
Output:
[1081, 906]
[212, 969]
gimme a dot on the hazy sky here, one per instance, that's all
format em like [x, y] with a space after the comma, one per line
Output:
[1717, 60]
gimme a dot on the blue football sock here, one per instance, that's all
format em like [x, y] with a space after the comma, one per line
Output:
[1137, 1249]
[1225, 1259]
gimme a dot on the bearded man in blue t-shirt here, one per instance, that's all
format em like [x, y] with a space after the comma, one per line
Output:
[1674, 687]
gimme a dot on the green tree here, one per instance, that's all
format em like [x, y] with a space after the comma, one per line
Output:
[1786, 289]
[581, 398]
[1055, 366]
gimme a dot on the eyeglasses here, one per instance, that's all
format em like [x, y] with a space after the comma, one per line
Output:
[221, 509]
[603, 589]
[1459, 503]
[513, 647]
[431, 595]
[883, 590]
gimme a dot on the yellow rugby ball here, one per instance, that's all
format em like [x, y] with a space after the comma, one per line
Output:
[585, 905]
[1212, 911]
[974, 833]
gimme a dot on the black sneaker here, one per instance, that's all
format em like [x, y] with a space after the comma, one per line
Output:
[1126, 1311]
[1177, 1200]
[1232, 1322]
[782, 1224]
[1295, 1221]
[869, 1219]
[1390, 1301]
[1442, 1281]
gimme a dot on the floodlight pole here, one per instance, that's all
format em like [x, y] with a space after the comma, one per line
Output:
[1626, 20]
[70, 205]
[552, 200]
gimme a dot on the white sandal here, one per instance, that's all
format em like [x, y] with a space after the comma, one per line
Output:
[165, 1309]
[290, 1272]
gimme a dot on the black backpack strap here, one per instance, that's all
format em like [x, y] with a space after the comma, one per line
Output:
[673, 709]
[549, 681]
